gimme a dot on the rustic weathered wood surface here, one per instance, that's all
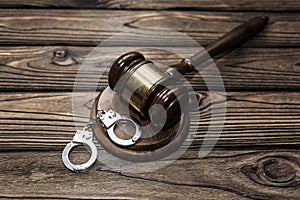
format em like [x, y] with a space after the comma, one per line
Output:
[44, 121]
[257, 155]
[237, 175]
[32, 68]
[239, 5]
[82, 27]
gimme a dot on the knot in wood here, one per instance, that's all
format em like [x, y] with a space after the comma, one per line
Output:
[61, 54]
[62, 57]
[278, 170]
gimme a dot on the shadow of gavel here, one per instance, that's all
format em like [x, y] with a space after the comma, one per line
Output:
[156, 87]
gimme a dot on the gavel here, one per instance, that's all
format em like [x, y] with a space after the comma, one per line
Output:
[150, 92]
[157, 87]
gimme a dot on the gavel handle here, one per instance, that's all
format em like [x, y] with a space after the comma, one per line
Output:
[229, 41]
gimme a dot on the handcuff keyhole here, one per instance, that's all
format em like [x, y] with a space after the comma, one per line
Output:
[79, 155]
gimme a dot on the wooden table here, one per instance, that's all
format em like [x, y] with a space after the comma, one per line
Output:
[257, 155]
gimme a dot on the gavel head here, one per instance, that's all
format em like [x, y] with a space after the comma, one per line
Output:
[151, 92]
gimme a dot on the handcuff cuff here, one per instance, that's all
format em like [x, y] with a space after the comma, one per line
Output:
[82, 137]
[85, 137]
[129, 70]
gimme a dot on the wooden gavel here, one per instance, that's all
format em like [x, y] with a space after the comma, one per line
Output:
[150, 92]
[156, 87]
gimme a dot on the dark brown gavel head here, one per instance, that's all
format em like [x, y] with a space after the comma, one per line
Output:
[151, 92]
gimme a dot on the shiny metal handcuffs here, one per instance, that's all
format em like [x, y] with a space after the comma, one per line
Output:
[85, 137]
[82, 137]
[110, 119]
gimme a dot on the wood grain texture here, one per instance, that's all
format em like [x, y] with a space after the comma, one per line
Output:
[230, 5]
[221, 175]
[236, 5]
[44, 121]
[79, 27]
[26, 68]
[40, 55]
[48, 4]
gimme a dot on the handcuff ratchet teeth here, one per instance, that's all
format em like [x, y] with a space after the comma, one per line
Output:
[110, 119]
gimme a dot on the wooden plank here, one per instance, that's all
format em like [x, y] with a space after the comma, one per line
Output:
[236, 5]
[222, 175]
[32, 68]
[48, 4]
[230, 5]
[44, 121]
[79, 27]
